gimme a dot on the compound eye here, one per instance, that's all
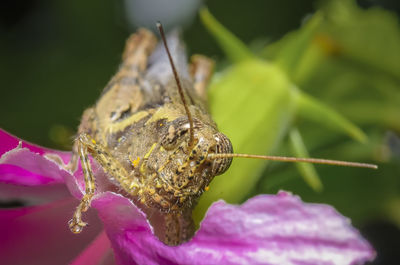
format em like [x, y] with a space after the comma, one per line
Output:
[223, 146]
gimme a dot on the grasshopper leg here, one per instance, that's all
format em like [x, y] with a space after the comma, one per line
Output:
[87, 145]
[138, 48]
[86, 126]
[201, 69]
[76, 224]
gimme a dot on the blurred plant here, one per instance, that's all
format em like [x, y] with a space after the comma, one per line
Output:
[343, 56]
[349, 58]
[264, 101]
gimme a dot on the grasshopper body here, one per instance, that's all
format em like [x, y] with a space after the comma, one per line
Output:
[138, 131]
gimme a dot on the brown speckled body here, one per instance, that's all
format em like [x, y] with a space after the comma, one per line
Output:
[138, 132]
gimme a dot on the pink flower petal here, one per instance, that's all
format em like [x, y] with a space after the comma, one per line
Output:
[40, 234]
[43, 170]
[12, 174]
[9, 142]
[30, 176]
[33, 195]
[98, 252]
[267, 229]
[27, 166]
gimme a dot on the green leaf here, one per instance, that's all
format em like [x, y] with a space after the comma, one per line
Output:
[306, 170]
[352, 64]
[291, 53]
[253, 103]
[261, 103]
[335, 68]
[312, 109]
[232, 46]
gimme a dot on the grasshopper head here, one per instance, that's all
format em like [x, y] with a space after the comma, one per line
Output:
[186, 170]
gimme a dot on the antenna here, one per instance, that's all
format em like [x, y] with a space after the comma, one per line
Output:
[178, 83]
[295, 159]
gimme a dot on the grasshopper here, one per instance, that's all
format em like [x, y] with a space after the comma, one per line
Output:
[152, 135]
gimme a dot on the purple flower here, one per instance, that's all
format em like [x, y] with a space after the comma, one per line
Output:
[267, 229]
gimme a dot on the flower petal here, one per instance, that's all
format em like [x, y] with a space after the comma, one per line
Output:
[26, 174]
[98, 252]
[267, 229]
[9, 172]
[9, 142]
[31, 177]
[26, 166]
[40, 234]
[33, 195]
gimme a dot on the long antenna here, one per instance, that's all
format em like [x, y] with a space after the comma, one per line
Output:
[178, 83]
[295, 159]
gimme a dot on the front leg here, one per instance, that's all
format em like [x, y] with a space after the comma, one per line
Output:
[87, 145]
[86, 126]
[76, 224]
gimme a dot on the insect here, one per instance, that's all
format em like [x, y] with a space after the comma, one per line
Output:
[151, 134]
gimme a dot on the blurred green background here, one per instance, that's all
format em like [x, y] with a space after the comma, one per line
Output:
[56, 57]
